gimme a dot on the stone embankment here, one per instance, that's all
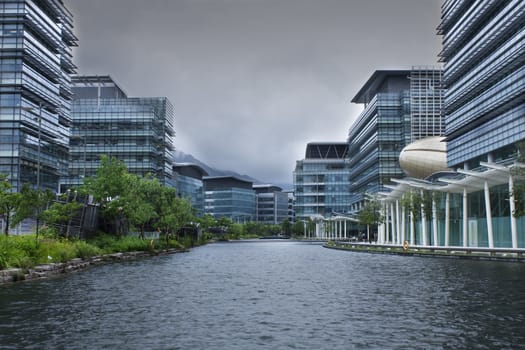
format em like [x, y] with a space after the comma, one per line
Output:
[78, 264]
[471, 253]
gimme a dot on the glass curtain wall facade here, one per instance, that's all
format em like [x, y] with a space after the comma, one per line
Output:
[484, 56]
[400, 106]
[36, 38]
[272, 204]
[484, 108]
[188, 182]
[230, 197]
[426, 103]
[321, 181]
[138, 131]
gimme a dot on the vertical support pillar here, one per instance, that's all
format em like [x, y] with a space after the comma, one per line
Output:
[345, 230]
[412, 229]
[423, 222]
[387, 224]
[447, 220]
[488, 212]
[394, 223]
[401, 237]
[513, 225]
[465, 218]
[434, 221]
[398, 224]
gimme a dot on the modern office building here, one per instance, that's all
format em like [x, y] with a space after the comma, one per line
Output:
[484, 107]
[36, 38]
[484, 56]
[105, 121]
[400, 106]
[321, 180]
[291, 205]
[189, 184]
[271, 204]
[230, 197]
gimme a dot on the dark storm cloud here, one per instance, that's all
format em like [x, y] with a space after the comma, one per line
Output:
[252, 81]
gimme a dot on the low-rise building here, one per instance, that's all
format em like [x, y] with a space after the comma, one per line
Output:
[188, 182]
[230, 197]
[272, 204]
[321, 180]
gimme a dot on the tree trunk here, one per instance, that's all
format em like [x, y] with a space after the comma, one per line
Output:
[7, 225]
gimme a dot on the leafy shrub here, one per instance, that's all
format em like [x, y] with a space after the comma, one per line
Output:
[112, 244]
[60, 251]
[86, 250]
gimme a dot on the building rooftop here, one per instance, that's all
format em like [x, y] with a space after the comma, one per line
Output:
[378, 82]
[326, 150]
[190, 169]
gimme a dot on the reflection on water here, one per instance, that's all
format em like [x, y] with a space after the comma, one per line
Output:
[271, 295]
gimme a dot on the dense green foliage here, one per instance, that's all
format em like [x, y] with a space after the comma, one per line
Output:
[127, 203]
[21, 251]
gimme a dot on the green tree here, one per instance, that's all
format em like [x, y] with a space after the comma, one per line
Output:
[60, 214]
[298, 228]
[111, 188]
[139, 207]
[32, 203]
[206, 222]
[8, 202]
[286, 227]
[173, 213]
[370, 214]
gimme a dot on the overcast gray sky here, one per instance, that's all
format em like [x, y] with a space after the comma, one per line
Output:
[253, 81]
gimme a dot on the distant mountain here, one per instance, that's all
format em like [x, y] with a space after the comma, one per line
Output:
[181, 157]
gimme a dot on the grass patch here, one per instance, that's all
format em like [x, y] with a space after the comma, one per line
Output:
[25, 252]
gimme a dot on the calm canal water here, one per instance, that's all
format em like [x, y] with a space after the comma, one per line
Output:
[271, 295]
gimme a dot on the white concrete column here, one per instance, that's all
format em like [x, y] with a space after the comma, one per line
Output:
[398, 224]
[513, 226]
[412, 229]
[345, 230]
[423, 222]
[465, 218]
[490, 233]
[401, 237]
[394, 224]
[387, 224]
[434, 221]
[447, 220]
[410, 223]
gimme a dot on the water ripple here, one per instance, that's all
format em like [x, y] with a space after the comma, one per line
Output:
[270, 295]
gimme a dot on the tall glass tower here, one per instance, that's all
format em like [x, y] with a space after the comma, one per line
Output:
[484, 55]
[36, 39]
[400, 107]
